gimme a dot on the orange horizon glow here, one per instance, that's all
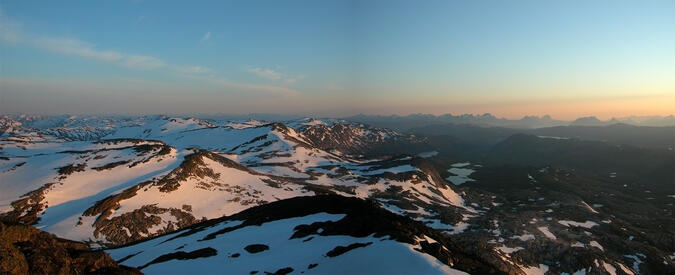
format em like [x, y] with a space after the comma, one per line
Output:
[562, 110]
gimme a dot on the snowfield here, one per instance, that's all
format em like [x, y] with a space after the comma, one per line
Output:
[380, 256]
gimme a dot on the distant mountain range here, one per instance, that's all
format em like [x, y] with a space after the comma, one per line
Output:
[403, 123]
[394, 122]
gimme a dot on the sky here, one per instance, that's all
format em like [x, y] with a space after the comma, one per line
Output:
[336, 58]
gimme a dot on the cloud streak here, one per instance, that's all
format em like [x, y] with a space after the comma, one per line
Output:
[79, 48]
[265, 73]
[191, 69]
[74, 47]
[249, 87]
[10, 33]
[274, 75]
[292, 80]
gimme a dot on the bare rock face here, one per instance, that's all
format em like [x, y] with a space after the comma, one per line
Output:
[349, 139]
[26, 250]
[139, 220]
[27, 209]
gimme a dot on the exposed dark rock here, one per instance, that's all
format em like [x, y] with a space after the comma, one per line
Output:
[15, 165]
[106, 206]
[144, 149]
[131, 255]
[138, 223]
[192, 166]
[346, 138]
[339, 250]
[27, 209]
[254, 140]
[181, 255]
[282, 271]
[256, 248]
[131, 140]
[71, 168]
[111, 165]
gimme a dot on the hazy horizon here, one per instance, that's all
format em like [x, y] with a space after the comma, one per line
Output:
[291, 116]
[339, 58]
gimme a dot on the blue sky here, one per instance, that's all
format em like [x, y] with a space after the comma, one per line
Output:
[333, 58]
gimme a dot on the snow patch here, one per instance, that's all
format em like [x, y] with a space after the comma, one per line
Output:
[524, 237]
[427, 154]
[587, 224]
[535, 270]
[584, 204]
[460, 175]
[597, 245]
[547, 233]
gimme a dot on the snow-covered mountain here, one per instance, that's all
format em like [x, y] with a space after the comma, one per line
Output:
[125, 183]
[149, 177]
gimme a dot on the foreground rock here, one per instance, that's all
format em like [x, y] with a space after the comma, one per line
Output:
[26, 250]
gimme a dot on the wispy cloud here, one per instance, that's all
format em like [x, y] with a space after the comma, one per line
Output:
[272, 74]
[258, 87]
[74, 47]
[191, 69]
[8, 29]
[10, 32]
[206, 36]
[291, 80]
[265, 73]
[143, 62]
[334, 87]
[249, 87]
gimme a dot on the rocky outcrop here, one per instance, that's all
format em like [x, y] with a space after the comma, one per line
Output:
[135, 225]
[192, 166]
[347, 139]
[26, 250]
[27, 209]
